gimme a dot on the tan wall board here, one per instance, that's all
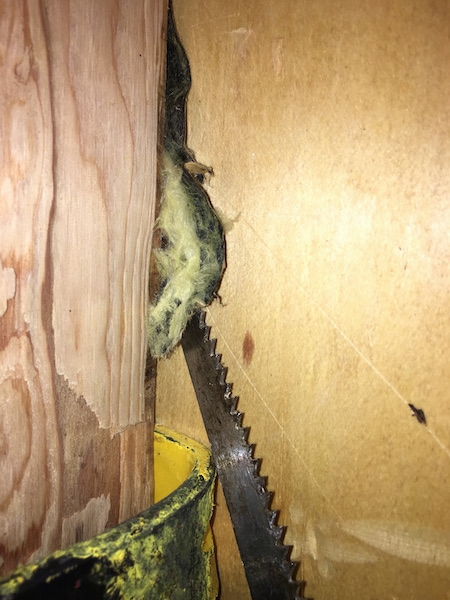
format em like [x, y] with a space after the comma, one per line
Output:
[328, 128]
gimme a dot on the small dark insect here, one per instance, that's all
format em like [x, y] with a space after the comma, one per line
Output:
[418, 413]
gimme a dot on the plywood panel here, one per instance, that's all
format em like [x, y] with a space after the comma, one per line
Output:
[327, 125]
[78, 117]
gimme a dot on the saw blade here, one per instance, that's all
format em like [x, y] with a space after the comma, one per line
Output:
[267, 564]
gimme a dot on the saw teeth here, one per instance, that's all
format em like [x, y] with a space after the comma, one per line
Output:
[291, 565]
[244, 431]
[277, 532]
[262, 483]
[223, 376]
[202, 321]
[256, 462]
[292, 570]
[273, 518]
[227, 394]
[233, 405]
[212, 348]
[238, 416]
[266, 498]
[206, 334]
[250, 449]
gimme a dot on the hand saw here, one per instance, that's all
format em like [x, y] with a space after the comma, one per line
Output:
[266, 561]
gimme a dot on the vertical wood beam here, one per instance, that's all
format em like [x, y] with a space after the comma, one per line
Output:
[79, 108]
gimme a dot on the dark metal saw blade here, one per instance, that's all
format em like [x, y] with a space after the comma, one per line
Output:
[266, 561]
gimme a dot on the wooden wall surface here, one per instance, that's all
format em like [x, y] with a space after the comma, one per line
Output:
[328, 128]
[78, 117]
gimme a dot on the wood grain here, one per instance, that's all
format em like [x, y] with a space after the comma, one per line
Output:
[79, 108]
[327, 125]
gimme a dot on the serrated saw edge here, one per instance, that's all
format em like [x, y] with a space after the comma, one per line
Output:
[266, 560]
